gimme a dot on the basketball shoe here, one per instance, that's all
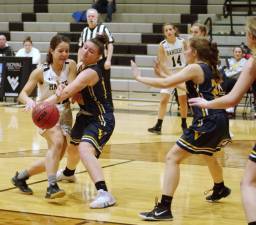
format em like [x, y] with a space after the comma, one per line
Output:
[102, 200]
[218, 193]
[155, 129]
[53, 191]
[159, 212]
[21, 184]
[61, 177]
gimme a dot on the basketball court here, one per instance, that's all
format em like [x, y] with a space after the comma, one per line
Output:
[133, 163]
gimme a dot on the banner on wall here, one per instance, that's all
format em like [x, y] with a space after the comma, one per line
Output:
[14, 73]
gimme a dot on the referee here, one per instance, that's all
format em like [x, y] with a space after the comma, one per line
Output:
[90, 32]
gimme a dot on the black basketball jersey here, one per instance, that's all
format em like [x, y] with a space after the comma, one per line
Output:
[208, 90]
[95, 97]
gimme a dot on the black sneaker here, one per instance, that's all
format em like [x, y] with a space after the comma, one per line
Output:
[218, 194]
[53, 191]
[155, 130]
[158, 213]
[21, 184]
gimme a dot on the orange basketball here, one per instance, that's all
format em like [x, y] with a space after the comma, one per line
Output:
[45, 115]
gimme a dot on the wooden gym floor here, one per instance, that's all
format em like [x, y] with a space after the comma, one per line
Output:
[133, 162]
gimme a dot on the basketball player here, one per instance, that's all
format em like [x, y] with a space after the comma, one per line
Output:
[88, 33]
[209, 130]
[171, 56]
[95, 121]
[58, 70]
[245, 80]
[198, 30]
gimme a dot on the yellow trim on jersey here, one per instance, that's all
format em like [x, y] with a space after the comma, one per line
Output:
[207, 149]
[100, 133]
[197, 135]
[253, 152]
[204, 112]
[102, 120]
[104, 88]
[93, 141]
[77, 141]
[99, 105]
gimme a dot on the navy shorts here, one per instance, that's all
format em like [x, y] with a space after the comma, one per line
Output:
[94, 130]
[206, 135]
[252, 155]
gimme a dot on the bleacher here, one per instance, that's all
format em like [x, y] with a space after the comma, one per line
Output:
[136, 27]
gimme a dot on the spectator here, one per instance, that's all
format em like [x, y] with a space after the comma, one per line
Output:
[5, 49]
[29, 51]
[105, 6]
[232, 72]
[246, 50]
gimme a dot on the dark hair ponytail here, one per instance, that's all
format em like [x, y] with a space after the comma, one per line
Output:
[55, 41]
[208, 52]
[100, 40]
[214, 60]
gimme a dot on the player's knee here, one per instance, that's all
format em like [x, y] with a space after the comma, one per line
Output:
[172, 158]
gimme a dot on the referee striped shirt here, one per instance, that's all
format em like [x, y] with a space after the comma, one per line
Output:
[88, 34]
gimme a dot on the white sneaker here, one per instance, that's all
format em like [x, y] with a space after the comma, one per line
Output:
[61, 177]
[102, 200]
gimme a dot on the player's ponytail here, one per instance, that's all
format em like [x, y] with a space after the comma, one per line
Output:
[100, 40]
[208, 52]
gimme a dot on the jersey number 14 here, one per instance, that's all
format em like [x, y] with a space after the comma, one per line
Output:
[176, 60]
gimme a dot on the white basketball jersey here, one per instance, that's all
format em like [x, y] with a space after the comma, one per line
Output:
[51, 81]
[174, 53]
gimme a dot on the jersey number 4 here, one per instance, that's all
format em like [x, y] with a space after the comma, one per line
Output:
[176, 60]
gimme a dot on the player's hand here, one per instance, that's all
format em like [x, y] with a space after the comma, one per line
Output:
[135, 70]
[77, 98]
[158, 69]
[200, 102]
[59, 90]
[107, 65]
[30, 104]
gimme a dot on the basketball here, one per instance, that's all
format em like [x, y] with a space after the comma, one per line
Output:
[45, 115]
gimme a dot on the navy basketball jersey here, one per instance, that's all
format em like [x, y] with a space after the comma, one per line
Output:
[208, 90]
[95, 97]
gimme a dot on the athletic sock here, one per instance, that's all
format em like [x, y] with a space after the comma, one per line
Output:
[218, 185]
[67, 172]
[101, 185]
[252, 223]
[166, 201]
[52, 180]
[159, 123]
[23, 175]
[184, 122]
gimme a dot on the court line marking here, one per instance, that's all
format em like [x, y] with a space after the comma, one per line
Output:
[72, 218]
[84, 171]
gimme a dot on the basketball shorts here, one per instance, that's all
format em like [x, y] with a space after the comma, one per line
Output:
[169, 91]
[92, 129]
[207, 135]
[252, 155]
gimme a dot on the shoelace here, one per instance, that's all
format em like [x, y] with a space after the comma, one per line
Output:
[156, 201]
[208, 191]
